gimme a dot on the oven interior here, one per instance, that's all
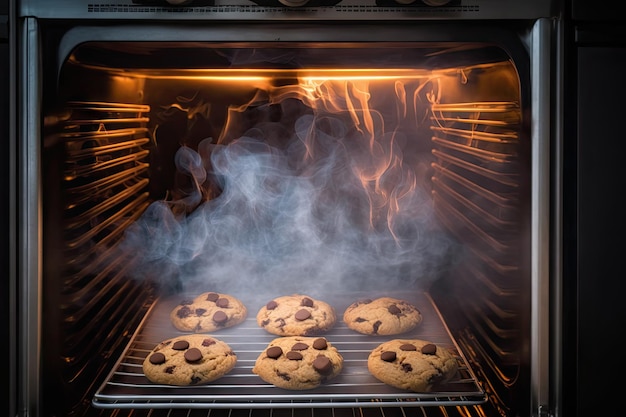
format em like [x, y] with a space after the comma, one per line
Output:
[341, 170]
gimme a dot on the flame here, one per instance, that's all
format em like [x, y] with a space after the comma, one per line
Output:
[377, 163]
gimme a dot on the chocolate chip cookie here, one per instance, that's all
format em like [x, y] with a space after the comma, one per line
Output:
[296, 315]
[412, 364]
[298, 362]
[189, 360]
[382, 316]
[208, 312]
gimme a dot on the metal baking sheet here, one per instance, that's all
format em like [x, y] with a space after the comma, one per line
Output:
[127, 387]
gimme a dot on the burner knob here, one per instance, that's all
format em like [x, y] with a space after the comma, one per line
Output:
[293, 3]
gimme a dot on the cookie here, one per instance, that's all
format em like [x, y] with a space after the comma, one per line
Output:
[208, 312]
[412, 364]
[189, 360]
[383, 316]
[298, 362]
[296, 315]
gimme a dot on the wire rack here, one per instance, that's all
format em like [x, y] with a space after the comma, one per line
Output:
[127, 387]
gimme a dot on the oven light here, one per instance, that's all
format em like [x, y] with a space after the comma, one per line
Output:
[359, 77]
[230, 78]
[267, 75]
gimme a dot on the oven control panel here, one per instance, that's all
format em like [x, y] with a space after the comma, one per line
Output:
[309, 10]
[300, 3]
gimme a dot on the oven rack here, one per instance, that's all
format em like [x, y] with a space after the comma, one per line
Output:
[127, 387]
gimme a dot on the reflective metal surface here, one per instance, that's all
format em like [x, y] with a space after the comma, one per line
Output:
[248, 10]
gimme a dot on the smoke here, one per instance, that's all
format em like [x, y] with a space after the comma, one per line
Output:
[317, 200]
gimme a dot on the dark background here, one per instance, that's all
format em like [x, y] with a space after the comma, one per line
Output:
[594, 218]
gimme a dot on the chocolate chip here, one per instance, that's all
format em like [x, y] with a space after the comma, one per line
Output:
[195, 380]
[322, 365]
[306, 302]
[180, 345]
[429, 349]
[302, 314]
[193, 355]
[212, 296]
[406, 367]
[320, 344]
[220, 317]
[170, 369]
[271, 305]
[294, 356]
[388, 356]
[300, 346]
[222, 302]
[393, 309]
[360, 320]
[407, 347]
[183, 312]
[375, 326]
[365, 301]
[274, 352]
[157, 358]
[208, 342]
[200, 311]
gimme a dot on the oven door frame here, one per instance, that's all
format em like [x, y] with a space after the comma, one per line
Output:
[545, 364]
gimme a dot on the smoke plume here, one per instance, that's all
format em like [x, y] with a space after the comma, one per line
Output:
[322, 189]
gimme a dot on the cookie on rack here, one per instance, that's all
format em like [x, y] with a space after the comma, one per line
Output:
[298, 362]
[412, 364]
[208, 312]
[189, 360]
[382, 316]
[296, 315]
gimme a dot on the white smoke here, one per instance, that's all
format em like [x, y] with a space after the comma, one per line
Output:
[308, 204]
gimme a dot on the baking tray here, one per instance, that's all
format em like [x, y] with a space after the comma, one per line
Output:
[126, 387]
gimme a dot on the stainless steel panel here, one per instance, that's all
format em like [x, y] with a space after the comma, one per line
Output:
[29, 220]
[247, 10]
[540, 218]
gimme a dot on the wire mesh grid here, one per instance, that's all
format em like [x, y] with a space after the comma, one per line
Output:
[127, 387]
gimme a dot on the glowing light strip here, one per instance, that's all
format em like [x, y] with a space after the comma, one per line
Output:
[265, 75]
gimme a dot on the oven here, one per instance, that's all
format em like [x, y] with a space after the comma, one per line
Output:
[343, 150]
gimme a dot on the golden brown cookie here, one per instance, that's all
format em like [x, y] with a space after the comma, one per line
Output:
[296, 315]
[412, 364]
[382, 316]
[189, 360]
[208, 312]
[298, 362]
